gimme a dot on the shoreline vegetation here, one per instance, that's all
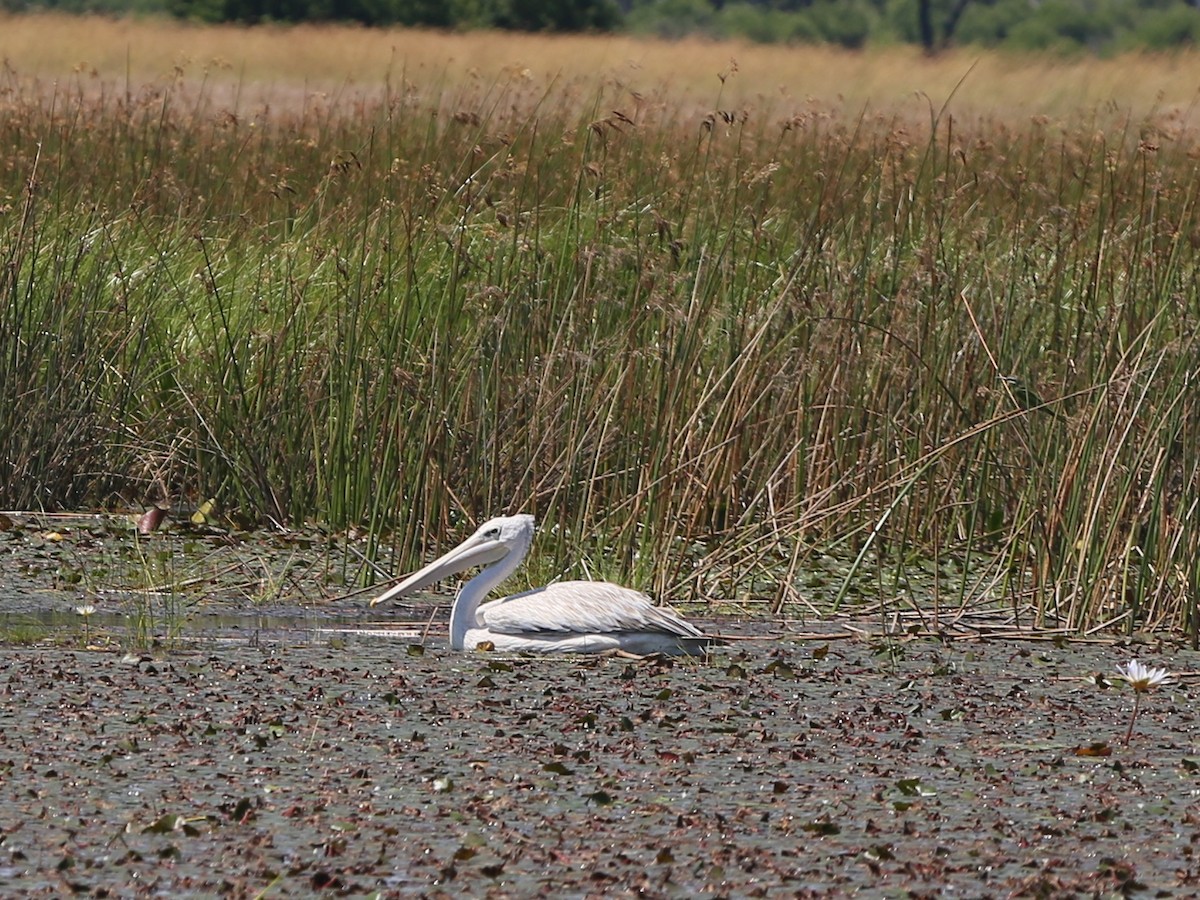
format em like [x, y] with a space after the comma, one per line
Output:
[711, 312]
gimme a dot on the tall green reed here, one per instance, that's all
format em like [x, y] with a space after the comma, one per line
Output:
[705, 347]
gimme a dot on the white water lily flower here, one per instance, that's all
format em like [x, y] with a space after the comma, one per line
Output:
[1142, 677]
[85, 610]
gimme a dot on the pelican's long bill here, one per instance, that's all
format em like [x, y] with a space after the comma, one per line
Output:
[477, 550]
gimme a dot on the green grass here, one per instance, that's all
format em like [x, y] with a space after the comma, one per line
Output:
[704, 350]
[14, 632]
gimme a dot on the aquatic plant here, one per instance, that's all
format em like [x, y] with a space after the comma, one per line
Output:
[1142, 679]
[86, 611]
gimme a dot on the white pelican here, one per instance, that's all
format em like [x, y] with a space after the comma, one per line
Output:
[564, 617]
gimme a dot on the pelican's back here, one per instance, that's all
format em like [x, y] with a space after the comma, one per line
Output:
[594, 607]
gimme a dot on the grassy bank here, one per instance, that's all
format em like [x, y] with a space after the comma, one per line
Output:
[708, 343]
[276, 64]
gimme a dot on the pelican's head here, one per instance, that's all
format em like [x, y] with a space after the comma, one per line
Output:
[492, 541]
[515, 532]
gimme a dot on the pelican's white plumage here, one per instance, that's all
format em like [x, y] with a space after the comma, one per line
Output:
[564, 617]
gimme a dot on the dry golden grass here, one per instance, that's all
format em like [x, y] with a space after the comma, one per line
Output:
[277, 61]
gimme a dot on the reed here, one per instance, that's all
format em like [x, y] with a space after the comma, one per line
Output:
[712, 348]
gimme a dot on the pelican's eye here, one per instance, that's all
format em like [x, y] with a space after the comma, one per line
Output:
[492, 532]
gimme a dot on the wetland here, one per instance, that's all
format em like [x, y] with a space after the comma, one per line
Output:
[894, 385]
[249, 743]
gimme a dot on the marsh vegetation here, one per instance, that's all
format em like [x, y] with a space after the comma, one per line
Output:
[711, 340]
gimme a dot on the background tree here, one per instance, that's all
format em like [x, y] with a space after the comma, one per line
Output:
[1094, 26]
[936, 23]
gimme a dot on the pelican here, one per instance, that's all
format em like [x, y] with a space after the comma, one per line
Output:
[564, 617]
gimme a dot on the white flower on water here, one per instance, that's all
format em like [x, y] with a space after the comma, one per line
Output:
[86, 611]
[1143, 678]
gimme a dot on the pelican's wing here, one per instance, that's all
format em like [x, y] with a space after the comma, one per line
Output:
[585, 607]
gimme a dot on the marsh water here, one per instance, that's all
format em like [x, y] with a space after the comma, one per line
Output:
[196, 743]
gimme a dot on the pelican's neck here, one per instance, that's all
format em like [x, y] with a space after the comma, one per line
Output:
[466, 604]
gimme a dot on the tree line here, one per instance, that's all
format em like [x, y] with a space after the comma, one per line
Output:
[1098, 26]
